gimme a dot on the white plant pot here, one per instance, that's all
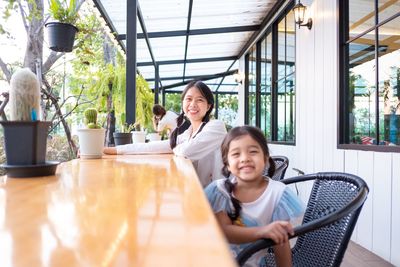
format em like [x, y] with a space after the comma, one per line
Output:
[153, 137]
[91, 143]
[138, 137]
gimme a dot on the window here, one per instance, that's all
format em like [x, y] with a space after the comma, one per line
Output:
[370, 67]
[270, 84]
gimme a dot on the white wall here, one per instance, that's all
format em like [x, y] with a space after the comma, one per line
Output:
[378, 227]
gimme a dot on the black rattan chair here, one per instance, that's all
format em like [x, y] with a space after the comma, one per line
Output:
[332, 211]
[281, 164]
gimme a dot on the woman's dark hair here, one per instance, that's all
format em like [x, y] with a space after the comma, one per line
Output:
[159, 110]
[233, 134]
[207, 93]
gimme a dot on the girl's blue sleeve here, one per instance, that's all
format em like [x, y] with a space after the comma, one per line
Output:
[218, 200]
[289, 208]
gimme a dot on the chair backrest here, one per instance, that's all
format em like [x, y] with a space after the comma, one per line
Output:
[335, 201]
[281, 164]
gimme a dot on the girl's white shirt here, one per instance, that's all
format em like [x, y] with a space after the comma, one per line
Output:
[203, 149]
[168, 121]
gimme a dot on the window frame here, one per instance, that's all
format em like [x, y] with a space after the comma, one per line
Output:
[273, 30]
[343, 127]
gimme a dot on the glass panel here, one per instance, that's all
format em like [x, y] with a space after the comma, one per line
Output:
[388, 8]
[217, 45]
[362, 94]
[286, 109]
[290, 109]
[228, 109]
[281, 49]
[266, 78]
[389, 84]
[290, 43]
[228, 13]
[252, 87]
[164, 15]
[285, 80]
[361, 16]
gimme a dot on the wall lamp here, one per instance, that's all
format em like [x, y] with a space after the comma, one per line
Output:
[299, 11]
[238, 77]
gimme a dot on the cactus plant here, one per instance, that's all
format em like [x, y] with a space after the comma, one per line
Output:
[91, 118]
[24, 96]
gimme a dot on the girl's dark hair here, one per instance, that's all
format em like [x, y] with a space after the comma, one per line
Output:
[159, 110]
[207, 93]
[233, 134]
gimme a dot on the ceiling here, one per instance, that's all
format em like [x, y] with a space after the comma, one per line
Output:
[190, 39]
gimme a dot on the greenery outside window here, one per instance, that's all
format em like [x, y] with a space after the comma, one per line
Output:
[270, 87]
[370, 75]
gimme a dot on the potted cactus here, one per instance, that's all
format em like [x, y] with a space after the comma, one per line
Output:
[25, 136]
[91, 138]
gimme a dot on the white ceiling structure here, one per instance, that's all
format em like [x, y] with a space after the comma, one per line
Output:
[190, 39]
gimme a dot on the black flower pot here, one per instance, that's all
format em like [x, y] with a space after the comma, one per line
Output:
[61, 36]
[122, 138]
[25, 142]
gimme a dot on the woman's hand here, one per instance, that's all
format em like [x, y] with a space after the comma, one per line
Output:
[278, 231]
[110, 150]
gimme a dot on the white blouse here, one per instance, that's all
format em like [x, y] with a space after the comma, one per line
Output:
[203, 149]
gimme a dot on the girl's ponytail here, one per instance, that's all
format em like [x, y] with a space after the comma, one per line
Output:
[272, 167]
[236, 203]
[174, 135]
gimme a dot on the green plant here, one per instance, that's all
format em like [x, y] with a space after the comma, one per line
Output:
[91, 118]
[24, 96]
[63, 11]
[144, 103]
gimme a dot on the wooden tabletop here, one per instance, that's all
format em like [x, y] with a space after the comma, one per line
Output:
[143, 210]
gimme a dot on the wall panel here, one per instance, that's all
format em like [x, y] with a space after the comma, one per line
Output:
[381, 222]
[395, 240]
[364, 224]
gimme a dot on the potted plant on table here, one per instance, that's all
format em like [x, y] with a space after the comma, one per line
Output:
[91, 138]
[125, 136]
[153, 135]
[61, 32]
[138, 134]
[25, 136]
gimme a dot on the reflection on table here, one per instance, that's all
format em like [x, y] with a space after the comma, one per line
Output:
[143, 210]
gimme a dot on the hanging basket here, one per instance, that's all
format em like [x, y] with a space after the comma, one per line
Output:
[61, 36]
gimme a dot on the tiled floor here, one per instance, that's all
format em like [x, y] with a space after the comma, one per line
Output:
[357, 256]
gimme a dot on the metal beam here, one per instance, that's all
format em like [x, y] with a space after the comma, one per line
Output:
[203, 78]
[109, 23]
[196, 32]
[187, 36]
[193, 60]
[131, 29]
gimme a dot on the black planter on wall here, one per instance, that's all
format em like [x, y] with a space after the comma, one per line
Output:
[61, 36]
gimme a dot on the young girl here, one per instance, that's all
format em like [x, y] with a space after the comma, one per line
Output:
[200, 142]
[248, 205]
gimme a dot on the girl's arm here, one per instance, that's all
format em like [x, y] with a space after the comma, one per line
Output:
[210, 138]
[155, 147]
[283, 255]
[278, 231]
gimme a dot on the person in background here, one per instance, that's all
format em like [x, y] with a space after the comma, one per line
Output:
[248, 205]
[200, 142]
[163, 120]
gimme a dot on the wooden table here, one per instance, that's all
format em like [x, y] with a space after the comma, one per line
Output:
[143, 210]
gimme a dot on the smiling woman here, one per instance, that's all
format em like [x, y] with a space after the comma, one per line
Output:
[200, 142]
